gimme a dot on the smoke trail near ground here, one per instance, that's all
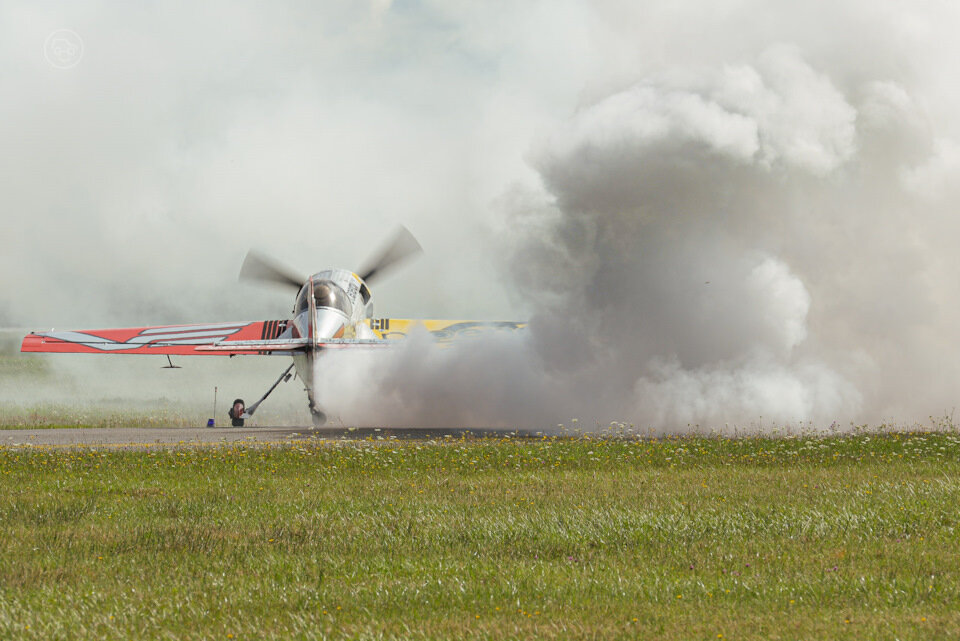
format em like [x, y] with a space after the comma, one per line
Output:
[716, 246]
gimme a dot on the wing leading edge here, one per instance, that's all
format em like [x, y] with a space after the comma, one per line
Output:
[223, 339]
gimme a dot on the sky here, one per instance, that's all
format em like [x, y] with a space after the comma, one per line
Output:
[713, 214]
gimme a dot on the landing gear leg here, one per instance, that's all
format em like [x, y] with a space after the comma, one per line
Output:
[318, 415]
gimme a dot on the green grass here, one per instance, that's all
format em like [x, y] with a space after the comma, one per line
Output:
[59, 415]
[792, 538]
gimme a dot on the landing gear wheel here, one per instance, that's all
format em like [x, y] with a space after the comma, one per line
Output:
[319, 418]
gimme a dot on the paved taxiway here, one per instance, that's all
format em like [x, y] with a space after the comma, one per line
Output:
[139, 437]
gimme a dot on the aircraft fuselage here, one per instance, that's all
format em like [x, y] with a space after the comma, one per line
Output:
[334, 303]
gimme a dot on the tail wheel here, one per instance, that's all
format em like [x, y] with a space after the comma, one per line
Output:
[319, 418]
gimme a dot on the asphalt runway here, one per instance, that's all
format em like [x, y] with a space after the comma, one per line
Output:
[194, 436]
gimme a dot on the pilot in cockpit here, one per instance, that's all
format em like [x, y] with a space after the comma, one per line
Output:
[325, 296]
[330, 295]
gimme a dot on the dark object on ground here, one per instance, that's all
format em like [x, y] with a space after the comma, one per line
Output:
[236, 413]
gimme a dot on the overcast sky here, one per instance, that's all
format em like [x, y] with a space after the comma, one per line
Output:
[187, 133]
[737, 208]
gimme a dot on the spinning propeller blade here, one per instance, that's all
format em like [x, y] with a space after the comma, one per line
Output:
[259, 267]
[401, 247]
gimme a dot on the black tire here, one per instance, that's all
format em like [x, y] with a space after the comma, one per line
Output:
[319, 418]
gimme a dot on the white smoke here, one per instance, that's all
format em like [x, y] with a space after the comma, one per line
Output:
[710, 212]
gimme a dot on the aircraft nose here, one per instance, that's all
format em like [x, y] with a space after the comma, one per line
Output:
[330, 323]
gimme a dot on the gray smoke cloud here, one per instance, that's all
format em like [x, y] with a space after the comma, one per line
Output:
[711, 213]
[718, 246]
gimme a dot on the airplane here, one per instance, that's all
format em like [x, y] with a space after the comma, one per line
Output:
[333, 310]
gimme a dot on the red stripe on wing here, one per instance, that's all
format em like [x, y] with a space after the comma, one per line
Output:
[182, 340]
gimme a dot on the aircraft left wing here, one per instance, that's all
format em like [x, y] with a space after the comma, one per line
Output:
[442, 330]
[388, 331]
[223, 339]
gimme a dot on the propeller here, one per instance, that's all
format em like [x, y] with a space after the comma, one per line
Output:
[260, 267]
[401, 248]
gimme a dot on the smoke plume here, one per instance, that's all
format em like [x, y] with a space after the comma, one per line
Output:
[714, 247]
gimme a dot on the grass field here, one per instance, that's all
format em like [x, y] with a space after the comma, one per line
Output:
[56, 415]
[699, 538]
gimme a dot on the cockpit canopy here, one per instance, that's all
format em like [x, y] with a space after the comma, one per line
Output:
[326, 293]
